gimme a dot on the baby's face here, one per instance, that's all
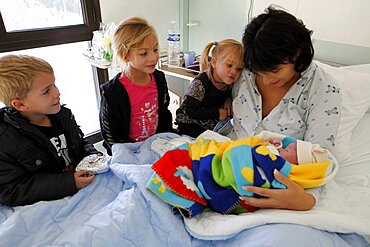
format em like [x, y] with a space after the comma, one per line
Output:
[290, 153]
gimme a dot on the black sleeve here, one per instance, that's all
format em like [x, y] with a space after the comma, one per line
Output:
[114, 124]
[164, 114]
[167, 115]
[195, 110]
[193, 103]
[20, 187]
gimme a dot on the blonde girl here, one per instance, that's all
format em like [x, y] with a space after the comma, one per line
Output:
[134, 104]
[208, 98]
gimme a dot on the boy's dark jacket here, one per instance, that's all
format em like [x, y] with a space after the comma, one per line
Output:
[30, 169]
[115, 110]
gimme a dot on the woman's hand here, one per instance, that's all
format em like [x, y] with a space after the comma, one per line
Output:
[293, 197]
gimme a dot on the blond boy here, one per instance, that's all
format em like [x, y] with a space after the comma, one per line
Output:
[40, 141]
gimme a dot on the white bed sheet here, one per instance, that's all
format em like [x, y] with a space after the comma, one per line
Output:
[357, 168]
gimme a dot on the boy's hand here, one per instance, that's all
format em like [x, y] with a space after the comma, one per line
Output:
[223, 114]
[83, 178]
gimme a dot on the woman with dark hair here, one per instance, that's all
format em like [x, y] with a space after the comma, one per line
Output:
[283, 90]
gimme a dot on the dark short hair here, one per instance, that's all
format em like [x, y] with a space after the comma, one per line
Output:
[276, 37]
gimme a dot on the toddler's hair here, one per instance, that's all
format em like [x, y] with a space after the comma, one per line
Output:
[219, 50]
[17, 73]
[131, 32]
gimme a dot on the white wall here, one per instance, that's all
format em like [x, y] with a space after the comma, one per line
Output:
[159, 13]
[341, 21]
[218, 20]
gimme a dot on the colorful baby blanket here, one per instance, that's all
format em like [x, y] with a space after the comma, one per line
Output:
[211, 174]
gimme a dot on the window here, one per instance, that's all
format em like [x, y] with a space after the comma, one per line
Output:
[58, 31]
[49, 14]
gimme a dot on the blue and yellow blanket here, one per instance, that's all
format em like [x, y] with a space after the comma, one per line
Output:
[211, 174]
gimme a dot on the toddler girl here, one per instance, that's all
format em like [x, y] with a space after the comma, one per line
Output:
[208, 99]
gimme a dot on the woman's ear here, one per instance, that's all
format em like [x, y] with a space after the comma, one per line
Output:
[18, 104]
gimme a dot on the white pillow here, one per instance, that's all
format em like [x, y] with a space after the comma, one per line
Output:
[363, 68]
[359, 161]
[355, 88]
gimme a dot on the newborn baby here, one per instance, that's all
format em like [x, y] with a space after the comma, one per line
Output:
[298, 152]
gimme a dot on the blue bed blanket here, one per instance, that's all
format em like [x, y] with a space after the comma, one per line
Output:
[117, 210]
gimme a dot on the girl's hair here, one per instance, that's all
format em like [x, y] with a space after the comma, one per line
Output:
[220, 49]
[276, 37]
[17, 74]
[131, 32]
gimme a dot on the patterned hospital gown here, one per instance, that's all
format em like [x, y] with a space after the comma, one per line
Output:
[309, 111]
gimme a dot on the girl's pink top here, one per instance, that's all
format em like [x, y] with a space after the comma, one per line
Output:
[144, 108]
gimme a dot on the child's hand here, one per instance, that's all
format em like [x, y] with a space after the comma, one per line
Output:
[228, 106]
[83, 178]
[223, 114]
